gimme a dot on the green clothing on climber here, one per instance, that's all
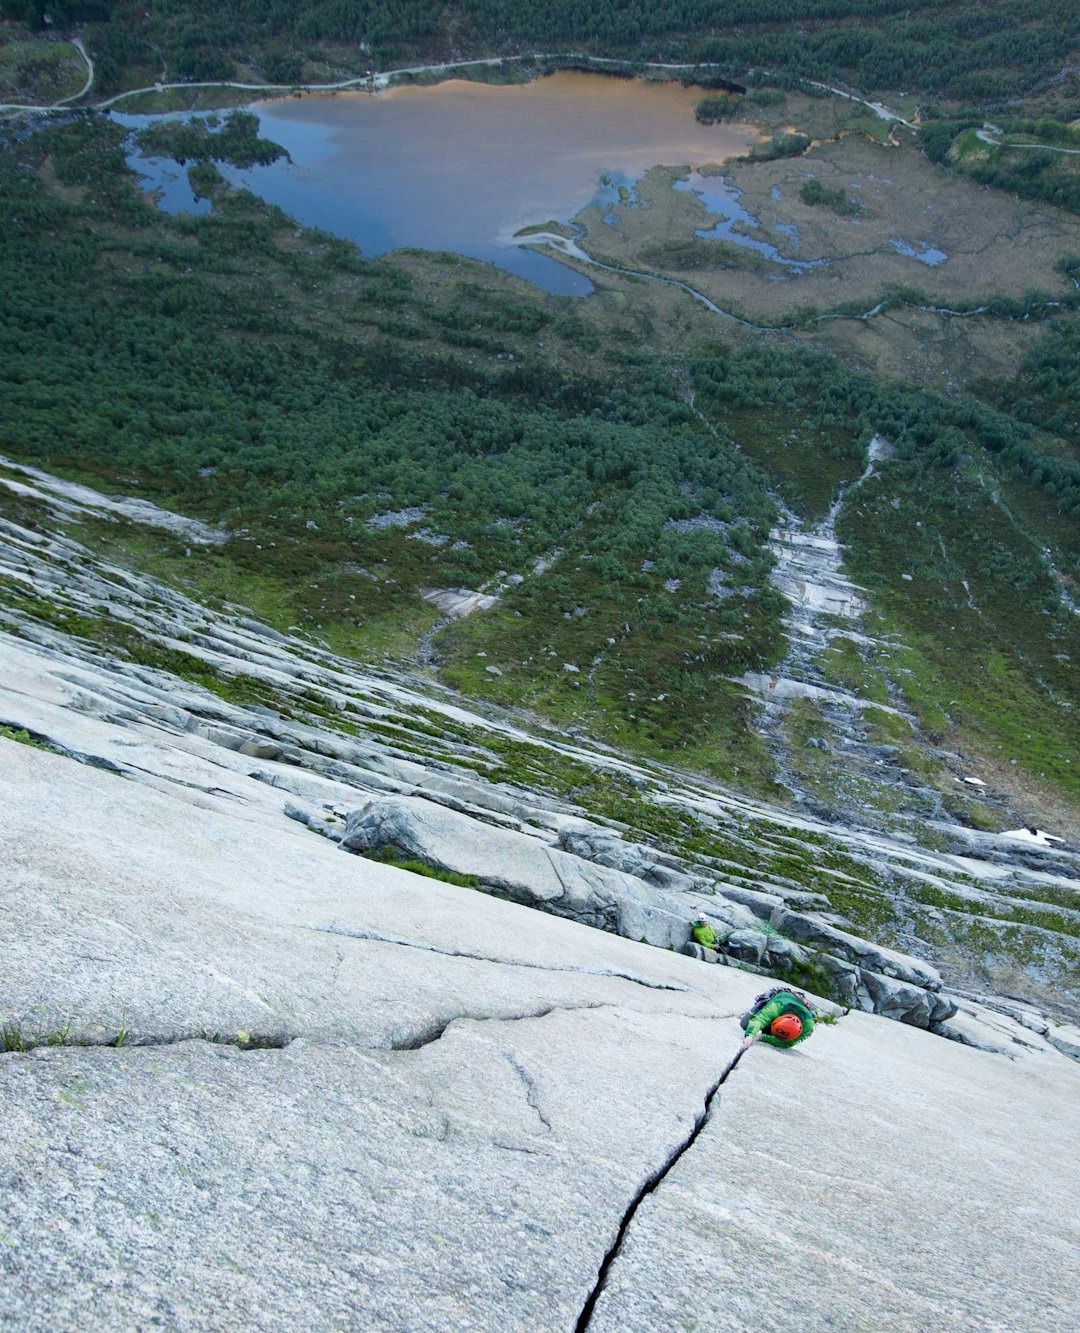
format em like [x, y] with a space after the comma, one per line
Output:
[783, 1002]
[704, 935]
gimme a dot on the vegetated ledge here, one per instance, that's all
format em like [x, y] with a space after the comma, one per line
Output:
[573, 853]
[17, 1040]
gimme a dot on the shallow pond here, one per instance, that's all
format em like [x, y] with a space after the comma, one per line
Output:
[735, 224]
[463, 166]
[923, 251]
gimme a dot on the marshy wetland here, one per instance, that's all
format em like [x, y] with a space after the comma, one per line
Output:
[857, 243]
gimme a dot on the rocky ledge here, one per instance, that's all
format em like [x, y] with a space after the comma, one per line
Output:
[389, 767]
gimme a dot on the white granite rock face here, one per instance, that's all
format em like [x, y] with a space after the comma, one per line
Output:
[519, 867]
[869, 1180]
[463, 1108]
[341, 735]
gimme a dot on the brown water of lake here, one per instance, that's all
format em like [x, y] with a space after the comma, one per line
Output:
[462, 166]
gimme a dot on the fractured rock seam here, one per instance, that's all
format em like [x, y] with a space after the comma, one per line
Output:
[376, 938]
[256, 1041]
[652, 1183]
[262, 1041]
[438, 1030]
[529, 1084]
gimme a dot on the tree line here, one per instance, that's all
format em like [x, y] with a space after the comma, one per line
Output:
[960, 49]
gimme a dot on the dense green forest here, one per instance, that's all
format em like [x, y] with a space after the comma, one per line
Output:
[959, 49]
[1036, 159]
[234, 139]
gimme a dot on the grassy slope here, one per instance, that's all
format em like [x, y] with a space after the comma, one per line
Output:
[333, 386]
[989, 648]
[39, 71]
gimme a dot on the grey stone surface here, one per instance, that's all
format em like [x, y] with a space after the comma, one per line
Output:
[472, 1183]
[468, 1095]
[143, 912]
[872, 1179]
[520, 867]
[989, 1028]
[1066, 1039]
[469, 1098]
[432, 1148]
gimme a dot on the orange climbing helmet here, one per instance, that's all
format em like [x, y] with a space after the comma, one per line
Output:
[786, 1028]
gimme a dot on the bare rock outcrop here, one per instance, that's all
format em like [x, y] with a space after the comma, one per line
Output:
[519, 867]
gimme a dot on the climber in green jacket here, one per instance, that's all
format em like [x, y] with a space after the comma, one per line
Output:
[780, 1017]
[704, 934]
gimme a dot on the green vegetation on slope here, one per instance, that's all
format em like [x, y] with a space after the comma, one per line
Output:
[1036, 159]
[986, 647]
[38, 71]
[369, 430]
[300, 431]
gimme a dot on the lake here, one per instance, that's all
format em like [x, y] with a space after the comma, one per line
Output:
[462, 166]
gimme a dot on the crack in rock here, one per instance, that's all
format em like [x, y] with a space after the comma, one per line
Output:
[651, 1183]
[12, 1042]
[529, 1084]
[437, 1029]
[376, 938]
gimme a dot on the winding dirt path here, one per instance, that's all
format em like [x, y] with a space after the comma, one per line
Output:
[77, 43]
[986, 137]
[377, 81]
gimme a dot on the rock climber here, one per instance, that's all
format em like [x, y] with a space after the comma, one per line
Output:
[704, 934]
[780, 1017]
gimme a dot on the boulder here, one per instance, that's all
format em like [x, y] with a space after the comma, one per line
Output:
[259, 748]
[518, 867]
[326, 824]
[694, 950]
[1066, 1039]
[474, 792]
[608, 849]
[887, 962]
[228, 740]
[847, 983]
[898, 1000]
[780, 953]
[748, 946]
[943, 1009]
[862, 988]
[762, 905]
